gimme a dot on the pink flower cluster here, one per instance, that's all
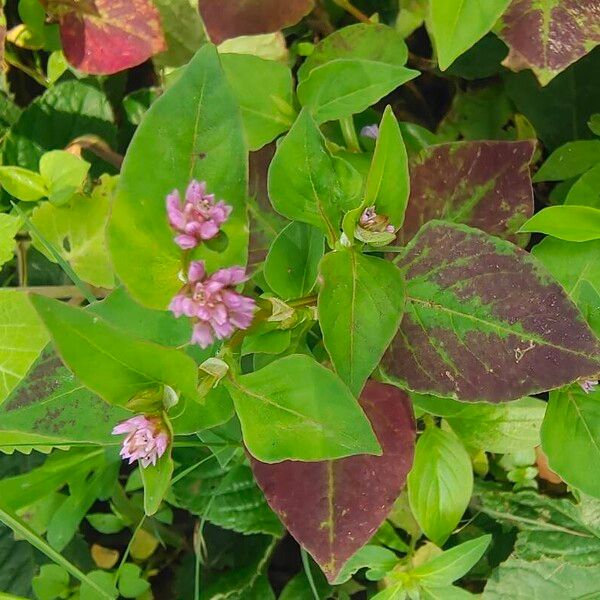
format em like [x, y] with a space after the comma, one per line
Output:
[588, 385]
[212, 302]
[371, 221]
[147, 439]
[198, 218]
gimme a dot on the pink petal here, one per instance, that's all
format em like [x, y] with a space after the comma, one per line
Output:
[186, 242]
[202, 335]
[196, 271]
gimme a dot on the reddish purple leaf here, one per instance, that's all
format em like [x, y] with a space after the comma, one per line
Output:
[482, 184]
[226, 19]
[334, 507]
[484, 321]
[549, 36]
[106, 36]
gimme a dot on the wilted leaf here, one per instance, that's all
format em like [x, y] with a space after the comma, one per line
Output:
[347, 499]
[106, 36]
[246, 17]
[549, 36]
[205, 141]
[482, 184]
[484, 321]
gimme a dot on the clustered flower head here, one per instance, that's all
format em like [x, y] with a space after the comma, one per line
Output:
[147, 439]
[212, 302]
[371, 221]
[198, 218]
[588, 385]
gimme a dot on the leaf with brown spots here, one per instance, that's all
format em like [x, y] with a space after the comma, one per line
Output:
[484, 321]
[482, 184]
[224, 20]
[346, 499]
[547, 36]
[106, 36]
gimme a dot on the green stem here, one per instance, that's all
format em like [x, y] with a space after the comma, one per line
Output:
[309, 575]
[355, 12]
[349, 133]
[128, 549]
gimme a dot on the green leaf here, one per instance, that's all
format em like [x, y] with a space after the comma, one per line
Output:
[456, 25]
[51, 582]
[284, 415]
[376, 559]
[571, 223]
[292, 264]
[206, 142]
[270, 342]
[452, 564]
[388, 182]
[570, 160]
[23, 184]
[9, 226]
[110, 362]
[106, 523]
[131, 583]
[102, 581]
[157, 480]
[351, 69]
[450, 592]
[361, 302]
[440, 483]
[23, 338]
[18, 560]
[63, 173]
[586, 190]
[503, 428]
[571, 437]
[77, 232]
[484, 321]
[305, 180]
[263, 89]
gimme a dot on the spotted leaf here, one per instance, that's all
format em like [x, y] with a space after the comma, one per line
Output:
[347, 499]
[482, 184]
[485, 321]
[547, 36]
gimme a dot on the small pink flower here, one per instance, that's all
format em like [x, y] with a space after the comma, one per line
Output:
[199, 218]
[588, 385]
[370, 131]
[212, 302]
[371, 221]
[146, 441]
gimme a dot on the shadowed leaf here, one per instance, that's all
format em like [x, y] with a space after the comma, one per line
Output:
[347, 499]
[233, 18]
[549, 36]
[482, 184]
[484, 321]
[106, 36]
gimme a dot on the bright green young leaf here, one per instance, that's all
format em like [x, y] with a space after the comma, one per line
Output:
[77, 232]
[440, 483]
[206, 142]
[157, 480]
[452, 564]
[571, 223]
[296, 409]
[571, 437]
[22, 338]
[307, 184]
[361, 303]
[263, 89]
[131, 582]
[570, 160]
[23, 184]
[450, 592]
[57, 65]
[376, 559]
[9, 226]
[586, 190]
[63, 173]
[106, 523]
[110, 362]
[291, 267]
[388, 182]
[52, 582]
[270, 342]
[456, 25]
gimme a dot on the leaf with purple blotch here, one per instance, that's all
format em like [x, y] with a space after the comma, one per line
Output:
[485, 321]
[482, 184]
[224, 20]
[349, 498]
[547, 37]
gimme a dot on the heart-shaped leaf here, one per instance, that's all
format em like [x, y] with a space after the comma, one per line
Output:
[482, 184]
[347, 499]
[549, 36]
[484, 321]
[106, 36]
[233, 18]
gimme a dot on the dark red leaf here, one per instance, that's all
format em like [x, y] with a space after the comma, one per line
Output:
[106, 36]
[334, 507]
[548, 37]
[484, 321]
[226, 19]
[482, 184]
